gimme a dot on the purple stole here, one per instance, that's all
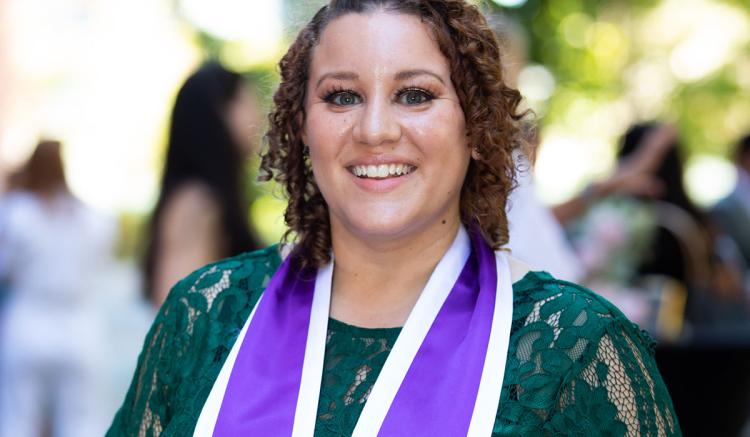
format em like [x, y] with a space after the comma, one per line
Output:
[443, 376]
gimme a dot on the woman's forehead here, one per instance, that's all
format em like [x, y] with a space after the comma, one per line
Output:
[377, 42]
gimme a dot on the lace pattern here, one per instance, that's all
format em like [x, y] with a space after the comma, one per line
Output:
[575, 366]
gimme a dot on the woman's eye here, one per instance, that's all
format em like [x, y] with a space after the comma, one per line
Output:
[343, 98]
[414, 97]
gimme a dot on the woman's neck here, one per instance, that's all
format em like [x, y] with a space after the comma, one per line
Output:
[376, 284]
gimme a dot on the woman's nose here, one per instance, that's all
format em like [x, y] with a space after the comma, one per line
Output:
[378, 124]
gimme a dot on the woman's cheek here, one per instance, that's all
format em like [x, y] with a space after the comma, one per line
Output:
[329, 129]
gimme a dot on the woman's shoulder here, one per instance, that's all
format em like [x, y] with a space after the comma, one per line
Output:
[189, 340]
[552, 317]
[206, 310]
[540, 296]
[577, 365]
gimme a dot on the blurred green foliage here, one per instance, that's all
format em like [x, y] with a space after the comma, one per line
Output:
[610, 59]
[592, 47]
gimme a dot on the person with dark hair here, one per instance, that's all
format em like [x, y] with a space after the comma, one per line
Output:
[394, 310]
[660, 245]
[50, 246]
[201, 213]
[682, 245]
[536, 231]
[537, 234]
[732, 213]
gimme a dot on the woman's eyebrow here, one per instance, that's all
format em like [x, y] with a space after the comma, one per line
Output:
[408, 74]
[340, 75]
[400, 76]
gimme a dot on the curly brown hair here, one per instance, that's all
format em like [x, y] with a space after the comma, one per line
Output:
[491, 109]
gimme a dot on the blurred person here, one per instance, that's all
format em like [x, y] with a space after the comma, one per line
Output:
[3, 280]
[534, 234]
[201, 213]
[7, 182]
[635, 175]
[683, 232]
[11, 185]
[732, 213]
[395, 311]
[537, 233]
[51, 246]
[660, 243]
[687, 244]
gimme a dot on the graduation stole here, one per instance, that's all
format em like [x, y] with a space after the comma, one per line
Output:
[443, 376]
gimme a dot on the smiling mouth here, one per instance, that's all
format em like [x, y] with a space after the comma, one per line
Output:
[382, 171]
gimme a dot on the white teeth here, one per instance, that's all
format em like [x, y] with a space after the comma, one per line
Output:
[382, 170]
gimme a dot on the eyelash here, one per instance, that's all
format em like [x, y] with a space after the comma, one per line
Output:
[331, 95]
[429, 95]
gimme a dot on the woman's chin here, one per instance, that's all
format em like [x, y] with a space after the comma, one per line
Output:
[400, 227]
[379, 230]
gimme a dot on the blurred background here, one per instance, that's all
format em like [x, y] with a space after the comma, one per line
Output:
[102, 77]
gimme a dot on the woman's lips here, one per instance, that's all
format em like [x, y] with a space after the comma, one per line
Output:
[381, 178]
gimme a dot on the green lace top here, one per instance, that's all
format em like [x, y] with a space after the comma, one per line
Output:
[576, 365]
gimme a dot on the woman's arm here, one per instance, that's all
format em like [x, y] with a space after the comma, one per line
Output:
[188, 342]
[618, 390]
[634, 176]
[577, 366]
[146, 409]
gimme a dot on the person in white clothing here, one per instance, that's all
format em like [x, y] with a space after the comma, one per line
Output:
[51, 246]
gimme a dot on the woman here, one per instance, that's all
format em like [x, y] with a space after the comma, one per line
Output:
[201, 215]
[662, 248]
[392, 134]
[682, 227]
[51, 245]
[685, 245]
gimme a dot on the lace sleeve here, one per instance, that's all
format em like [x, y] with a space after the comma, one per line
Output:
[577, 366]
[146, 408]
[188, 343]
[619, 390]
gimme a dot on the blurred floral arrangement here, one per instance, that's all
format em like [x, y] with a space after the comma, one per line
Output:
[613, 237]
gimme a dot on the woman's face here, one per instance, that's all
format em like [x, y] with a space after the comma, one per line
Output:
[385, 127]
